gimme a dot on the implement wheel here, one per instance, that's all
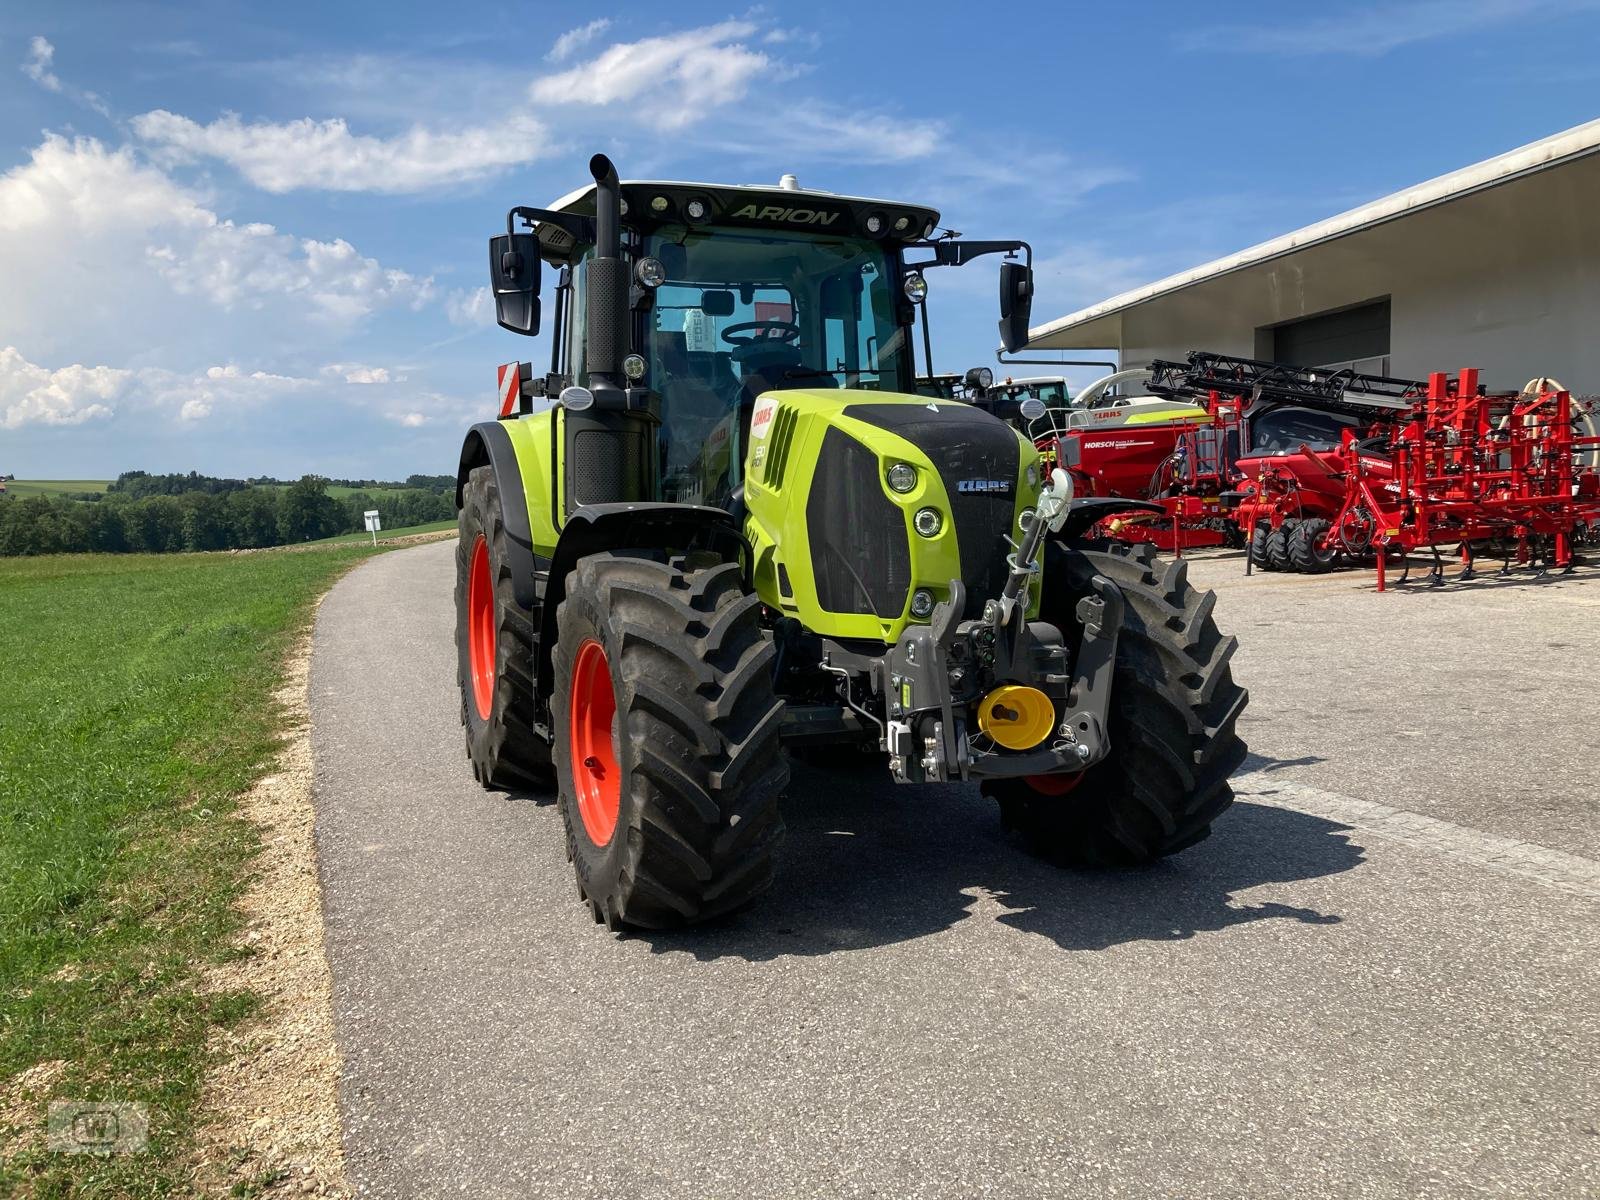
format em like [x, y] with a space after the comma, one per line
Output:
[1310, 547]
[1174, 708]
[1276, 548]
[666, 740]
[494, 649]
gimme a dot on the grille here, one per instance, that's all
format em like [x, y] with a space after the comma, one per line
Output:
[860, 554]
[777, 462]
[964, 444]
[604, 466]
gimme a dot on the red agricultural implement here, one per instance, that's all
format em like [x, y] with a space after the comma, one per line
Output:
[1415, 466]
[1312, 468]
[1483, 472]
[1168, 456]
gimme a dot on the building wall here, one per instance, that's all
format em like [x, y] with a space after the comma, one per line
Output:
[1507, 280]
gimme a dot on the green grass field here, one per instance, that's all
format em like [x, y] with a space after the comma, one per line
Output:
[345, 538]
[54, 487]
[135, 704]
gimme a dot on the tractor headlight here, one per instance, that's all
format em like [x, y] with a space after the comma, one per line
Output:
[658, 204]
[1025, 519]
[916, 288]
[902, 224]
[696, 210]
[902, 477]
[927, 522]
[922, 603]
[650, 273]
[633, 366]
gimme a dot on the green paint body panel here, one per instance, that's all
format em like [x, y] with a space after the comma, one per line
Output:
[530, 437]
[780, 466]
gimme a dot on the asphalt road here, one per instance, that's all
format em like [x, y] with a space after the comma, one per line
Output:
[1329, 997]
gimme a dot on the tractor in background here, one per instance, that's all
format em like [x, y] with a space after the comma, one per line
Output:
[724, 522]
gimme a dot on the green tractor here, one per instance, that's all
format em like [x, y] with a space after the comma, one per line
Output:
[733, 526]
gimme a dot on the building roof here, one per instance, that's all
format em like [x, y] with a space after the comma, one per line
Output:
[1072, 330]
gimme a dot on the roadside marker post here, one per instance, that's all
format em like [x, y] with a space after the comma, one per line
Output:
[373, 525]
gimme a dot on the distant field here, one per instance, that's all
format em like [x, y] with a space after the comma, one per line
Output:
[126, 730]
[54, 487]
[63, 487]
[340, 539]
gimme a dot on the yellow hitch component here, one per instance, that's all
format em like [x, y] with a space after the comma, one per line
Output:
[1017, 717]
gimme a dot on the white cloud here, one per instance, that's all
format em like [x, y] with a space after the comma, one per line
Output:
[575, 39]
[1376, 31]
[469, 307]
[41, 54]
[31, 394]
[35, 395]
[283, 156]
[677, 78]
[411, 420]
[37, 67]
[101, 248]
[360, 373]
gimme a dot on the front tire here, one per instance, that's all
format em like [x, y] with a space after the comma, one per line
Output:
[494, 648]
[1174, 708]
[666, 748]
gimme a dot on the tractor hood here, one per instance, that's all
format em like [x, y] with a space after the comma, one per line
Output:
[863, 505]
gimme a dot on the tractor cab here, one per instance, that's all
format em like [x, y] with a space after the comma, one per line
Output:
[730, 293]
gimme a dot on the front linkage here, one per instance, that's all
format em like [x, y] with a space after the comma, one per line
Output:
[1007, 671]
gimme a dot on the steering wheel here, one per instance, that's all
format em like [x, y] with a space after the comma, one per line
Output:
[762, 333]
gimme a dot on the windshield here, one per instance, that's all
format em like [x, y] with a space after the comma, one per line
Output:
[745, 312]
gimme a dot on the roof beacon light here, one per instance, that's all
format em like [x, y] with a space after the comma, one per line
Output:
[789, 183]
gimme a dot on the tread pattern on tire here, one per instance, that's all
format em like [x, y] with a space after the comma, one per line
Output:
[506, 751]
[1172, 724]
[1277, 547]
[1304, 552]
[703, 769]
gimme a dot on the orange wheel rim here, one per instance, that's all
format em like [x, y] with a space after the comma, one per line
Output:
[480, 629]
[596, 777]
[1053, 785]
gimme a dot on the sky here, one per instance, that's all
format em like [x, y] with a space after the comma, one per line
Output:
[249, 239]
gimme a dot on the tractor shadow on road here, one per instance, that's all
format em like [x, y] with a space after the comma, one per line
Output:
[867, 864]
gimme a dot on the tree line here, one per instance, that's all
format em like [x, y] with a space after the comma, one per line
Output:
[136, 515]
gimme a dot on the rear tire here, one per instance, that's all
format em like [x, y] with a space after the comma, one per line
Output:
[494, 649]
[694, 757]
[1174, 708]
[1309, 550]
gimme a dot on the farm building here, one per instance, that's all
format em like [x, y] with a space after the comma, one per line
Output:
[1496, 265]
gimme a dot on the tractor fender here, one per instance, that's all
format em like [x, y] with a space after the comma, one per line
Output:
[593, 528]
[489, 445]
[1085, 511]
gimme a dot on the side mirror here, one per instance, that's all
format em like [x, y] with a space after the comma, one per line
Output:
[514, 280]
[716, 303]
[1033, 408]
[1016, 304]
